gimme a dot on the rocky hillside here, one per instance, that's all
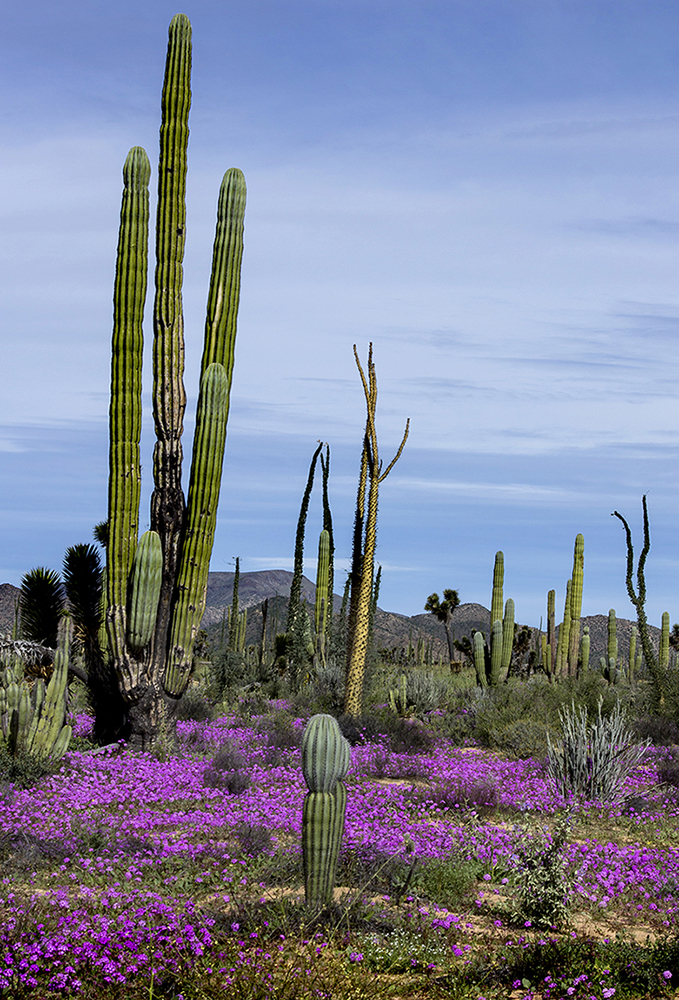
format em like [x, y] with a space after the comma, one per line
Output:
[392, 630]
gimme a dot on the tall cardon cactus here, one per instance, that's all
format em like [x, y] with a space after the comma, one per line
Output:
[326, 757]
[156, 585]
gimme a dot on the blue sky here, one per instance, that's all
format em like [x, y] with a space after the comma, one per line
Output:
[487, 191]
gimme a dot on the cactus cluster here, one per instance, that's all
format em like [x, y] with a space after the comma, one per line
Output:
[34, 721]
[493, 660]
[326, 757]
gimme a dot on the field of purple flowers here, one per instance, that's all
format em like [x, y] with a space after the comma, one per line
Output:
[179, 875]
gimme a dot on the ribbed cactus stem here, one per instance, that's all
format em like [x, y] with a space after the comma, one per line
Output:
[664, 653]
[129, 298]
[612, 636]
[480, 660]
[145, 581]
[201, 521]
[564, 633]
[584, 649]
[323, 819]
[507, 635]
[48, 735]
[576, 604]
[322, 580]
[497, 599]
[325, 753]
[496, 637]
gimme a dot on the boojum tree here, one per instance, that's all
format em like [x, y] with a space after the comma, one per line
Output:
[365, 538]
[156, 584]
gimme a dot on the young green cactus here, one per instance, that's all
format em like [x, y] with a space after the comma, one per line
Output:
[151, 625]
[664, 652]
[35, 721]
[577, 581]
[326, 757]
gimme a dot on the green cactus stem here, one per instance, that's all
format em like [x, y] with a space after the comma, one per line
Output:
[145, 580]
[664, 652]
[322, 582]
[564, 633]
[325, 753]
[507, 635]
[584, 649]
[323, 818]
[577, 579]
[49, 735]
[480, 660]
[612, 650]
[497, 599]
[325, 761]
[201, 521]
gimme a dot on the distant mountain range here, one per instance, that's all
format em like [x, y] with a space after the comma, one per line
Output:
[391, 630]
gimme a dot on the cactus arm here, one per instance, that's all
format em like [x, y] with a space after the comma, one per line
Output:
[584, 649]
[129, 298]
[145, 582]
[496, 637]
[227, 256]
[576, 604]
[201, 521]
[564, 633]
[508, 635]
[480, 660]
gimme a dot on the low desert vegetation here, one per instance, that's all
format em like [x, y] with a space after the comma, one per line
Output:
[469, 866]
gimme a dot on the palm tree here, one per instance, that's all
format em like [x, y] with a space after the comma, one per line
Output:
[83, 583]
[443, 610]
[41, 605]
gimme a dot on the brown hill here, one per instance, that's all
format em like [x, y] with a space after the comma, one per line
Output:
[8, 599]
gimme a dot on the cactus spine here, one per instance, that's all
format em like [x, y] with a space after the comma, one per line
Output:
[154, 671]
[325, 761]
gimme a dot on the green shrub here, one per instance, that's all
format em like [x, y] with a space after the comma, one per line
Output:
[543, 885]
[25, 769]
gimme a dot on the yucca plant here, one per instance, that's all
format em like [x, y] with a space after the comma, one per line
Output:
[593, 760]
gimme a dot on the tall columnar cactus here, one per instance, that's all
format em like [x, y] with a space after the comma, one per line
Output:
[325, 761]
[365, 540]
[321, 612]
[577, 581]
[664, 652]
[154, 669]
[612, 647]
